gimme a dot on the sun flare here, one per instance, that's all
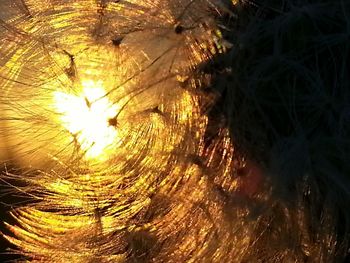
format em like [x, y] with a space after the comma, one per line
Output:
[89, 117]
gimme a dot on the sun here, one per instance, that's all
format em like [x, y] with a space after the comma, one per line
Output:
[90, 117]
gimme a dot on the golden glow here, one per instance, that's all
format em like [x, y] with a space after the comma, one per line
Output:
[156, 184]
[87, 117]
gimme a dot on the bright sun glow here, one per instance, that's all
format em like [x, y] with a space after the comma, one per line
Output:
[88, 117]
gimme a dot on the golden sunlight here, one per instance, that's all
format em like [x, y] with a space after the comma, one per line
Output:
[90, 118]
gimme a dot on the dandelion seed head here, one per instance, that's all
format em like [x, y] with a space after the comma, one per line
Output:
[138, 126]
